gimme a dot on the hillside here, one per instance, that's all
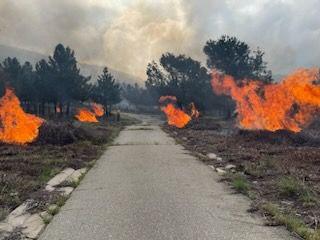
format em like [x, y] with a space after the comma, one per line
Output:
[86, 69]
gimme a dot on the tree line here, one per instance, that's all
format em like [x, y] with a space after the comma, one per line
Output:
[53, 86]
[189, 81]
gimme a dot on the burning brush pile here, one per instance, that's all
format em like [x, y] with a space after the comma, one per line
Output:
[19, 128]
[90, 114]
[284, 112]
[290, 104]
[177, 117]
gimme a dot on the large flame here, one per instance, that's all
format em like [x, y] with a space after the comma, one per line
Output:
[289, 104]
[90, 115]
[85, 115]
[176, 117]
[17, 127]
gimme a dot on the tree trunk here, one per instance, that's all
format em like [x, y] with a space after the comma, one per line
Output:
[43, 109]
[48, 109]
[68, 109]
[35, 108]
[110, 109]
[61, 109]
[55, 108]
[106, 110]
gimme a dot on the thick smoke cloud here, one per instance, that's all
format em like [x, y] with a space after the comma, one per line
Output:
[126, 35]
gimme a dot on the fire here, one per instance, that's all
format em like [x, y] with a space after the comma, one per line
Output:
[17, 127]
[98, 109]
[85, 115]
[90, 115]
[194, 111]
[289, 104]
[176, 117]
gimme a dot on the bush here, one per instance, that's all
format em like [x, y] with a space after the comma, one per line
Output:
[63, 133]
[58, 133]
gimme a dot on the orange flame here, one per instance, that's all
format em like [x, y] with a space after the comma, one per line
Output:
[176, 117]
[194, 111]
[17, 127]
[85, 115]
[98, 109]
[90, 115]
[290, 104]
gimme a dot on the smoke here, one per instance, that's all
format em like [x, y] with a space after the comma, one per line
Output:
[126, 35]
[143, 32]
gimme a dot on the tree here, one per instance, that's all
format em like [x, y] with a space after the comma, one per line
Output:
[182, 77]
[27, 79]
[156, 80]
[45, 83]
[106, 91]
[67, 82]
[235, 58]
[22, 79]
[137, 95]
[12, 68]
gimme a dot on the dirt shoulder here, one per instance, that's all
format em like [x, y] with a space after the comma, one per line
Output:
[24, 170]
[279, 171]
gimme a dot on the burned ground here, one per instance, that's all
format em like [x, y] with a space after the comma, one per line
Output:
[25, 169]
[281, 167]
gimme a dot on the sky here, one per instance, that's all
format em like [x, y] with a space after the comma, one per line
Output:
[127, 34]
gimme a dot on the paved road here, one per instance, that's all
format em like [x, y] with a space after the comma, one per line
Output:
[146, 187]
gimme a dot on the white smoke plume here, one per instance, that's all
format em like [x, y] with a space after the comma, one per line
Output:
[126, 35]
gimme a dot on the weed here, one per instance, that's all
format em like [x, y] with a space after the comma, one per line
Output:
[260, 168]
[61, 200]
[47, 173]
[76, 183]
[4, 212]
[292, 222]
[240, 184]
[290, 187]
[46, 218]
[53, 209]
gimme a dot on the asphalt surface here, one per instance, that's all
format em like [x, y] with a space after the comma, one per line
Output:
[147, 187]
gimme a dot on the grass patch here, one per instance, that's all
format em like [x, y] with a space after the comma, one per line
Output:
[46, 221]
[3, 213]
[47, 173]
[61, 200]
[240, 184]
[291, 222]
[53, 210]
[259, 169]
[292, 187]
